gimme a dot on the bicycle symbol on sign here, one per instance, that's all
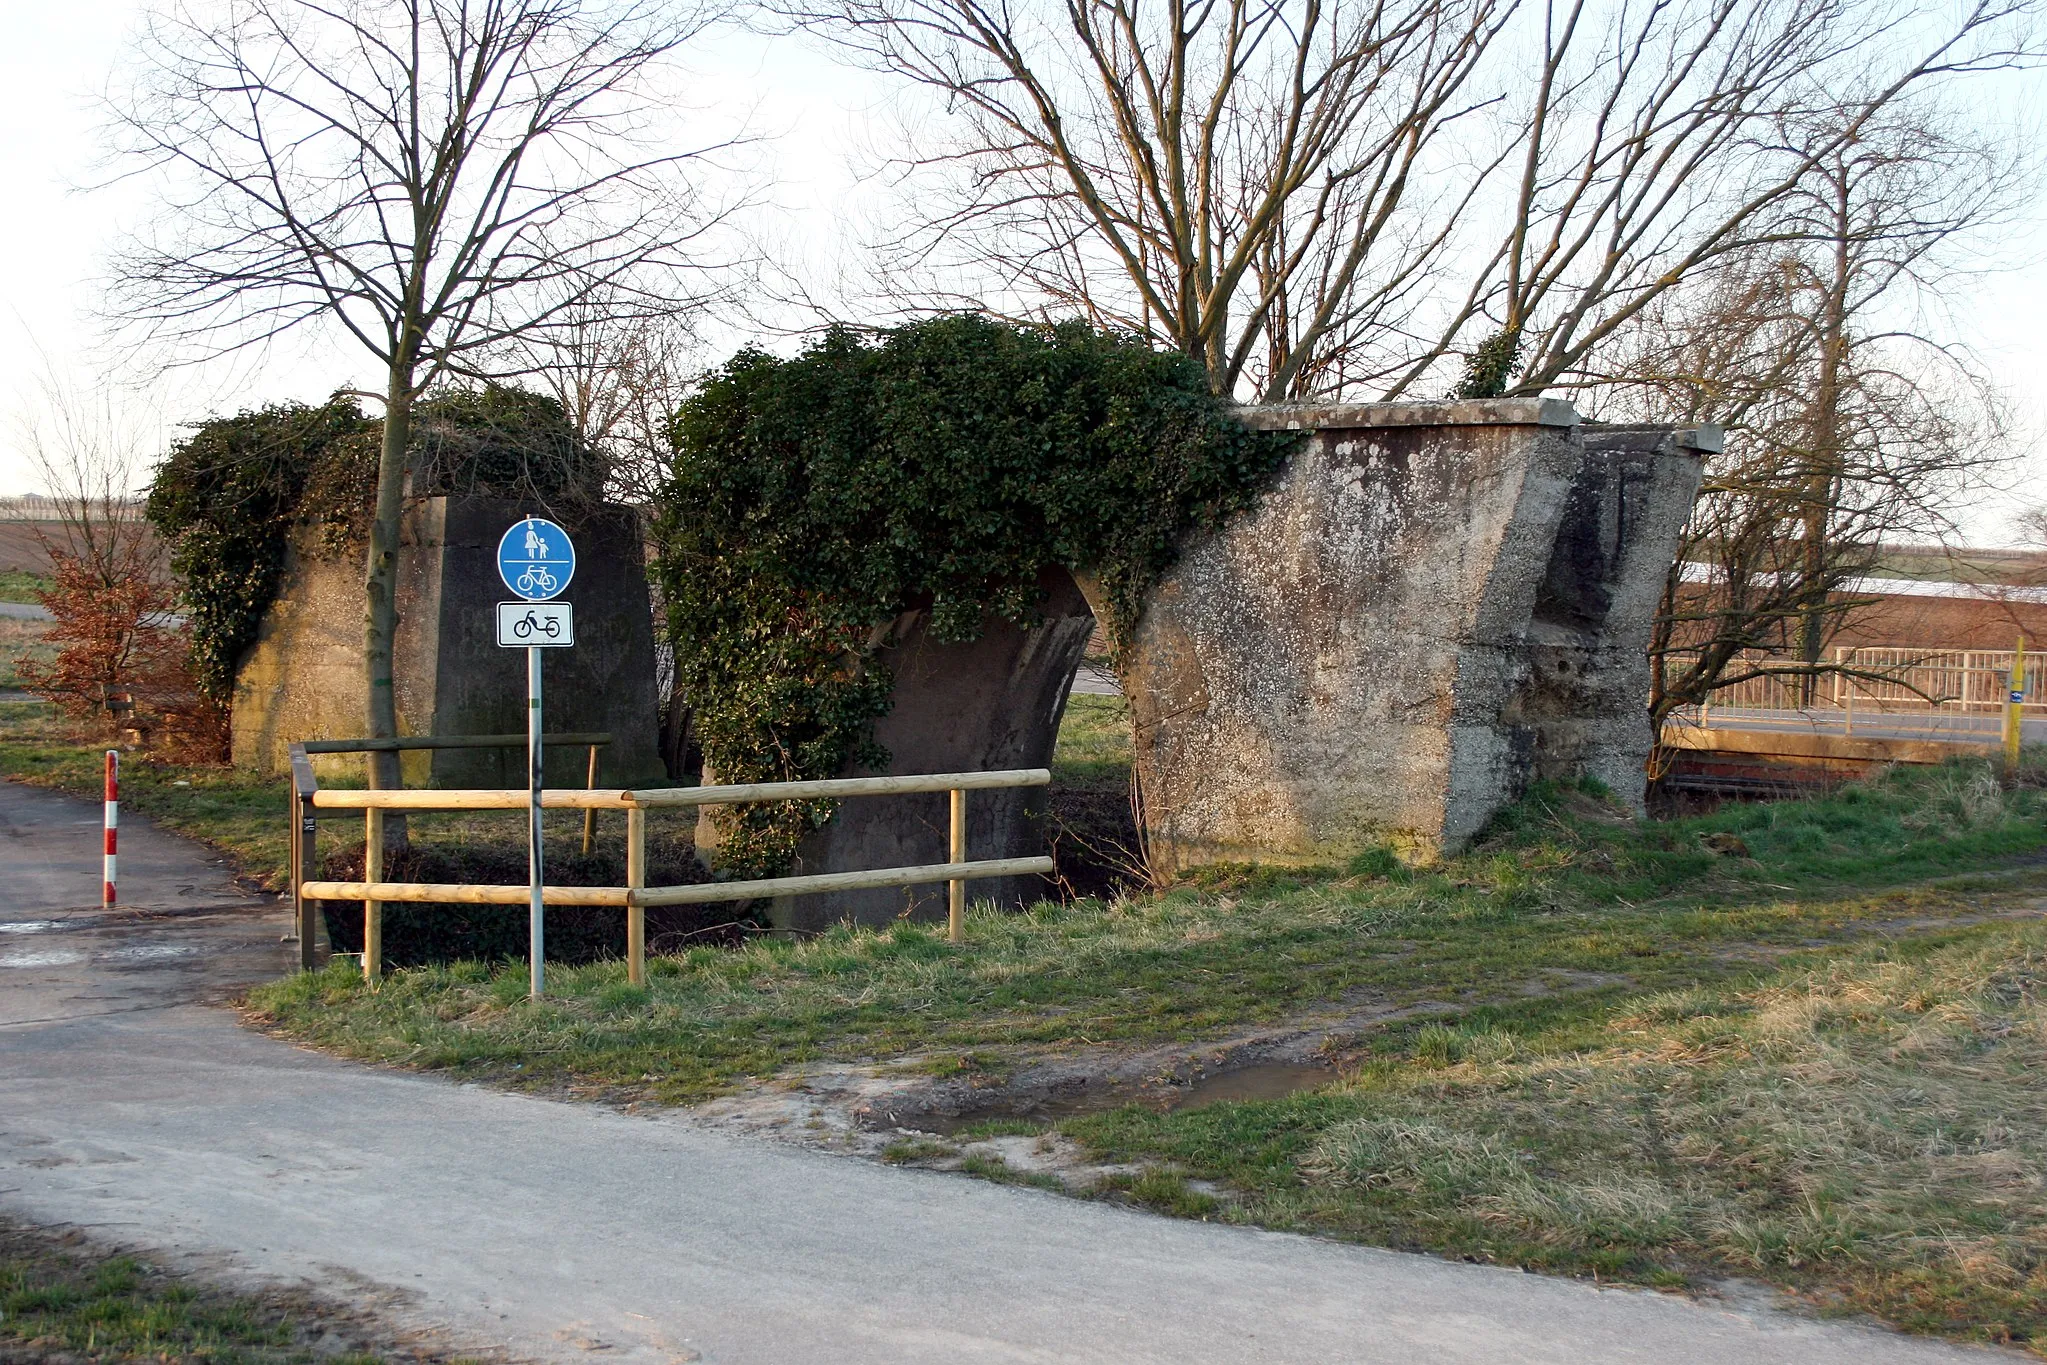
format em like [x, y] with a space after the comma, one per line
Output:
[536, 579]
[527, 625]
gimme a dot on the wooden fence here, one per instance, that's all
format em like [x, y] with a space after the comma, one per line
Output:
[635, 896]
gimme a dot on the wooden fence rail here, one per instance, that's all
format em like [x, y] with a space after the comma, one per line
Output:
[636, 895]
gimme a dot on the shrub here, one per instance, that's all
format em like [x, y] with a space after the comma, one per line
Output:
[118, 661]
[942, 465]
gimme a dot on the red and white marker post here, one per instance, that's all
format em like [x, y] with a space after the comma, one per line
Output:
[113, 820]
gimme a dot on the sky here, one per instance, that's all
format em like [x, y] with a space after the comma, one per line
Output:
[58, 223]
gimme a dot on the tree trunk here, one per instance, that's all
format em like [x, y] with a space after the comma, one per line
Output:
[1827, 454]
[381, 588]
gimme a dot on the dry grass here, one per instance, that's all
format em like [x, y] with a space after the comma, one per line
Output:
[1872, 1129]
[21, 640]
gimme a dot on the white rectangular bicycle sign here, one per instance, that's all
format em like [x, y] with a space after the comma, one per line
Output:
[536, 625]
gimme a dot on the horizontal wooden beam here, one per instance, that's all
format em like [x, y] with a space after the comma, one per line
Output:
[575, 798]
[426, 798]
[842, 786]
[385, 746]
[705, 892]
[699, 894]
[461, 894]
[1807, 744]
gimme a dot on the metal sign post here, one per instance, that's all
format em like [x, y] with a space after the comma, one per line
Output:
[536, 559]
[2015, 709]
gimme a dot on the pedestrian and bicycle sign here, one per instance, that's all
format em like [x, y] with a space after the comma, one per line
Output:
[536, 625]
[536, 559]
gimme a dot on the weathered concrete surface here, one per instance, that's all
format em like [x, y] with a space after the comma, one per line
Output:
[993, 703]
[573, 1232]
[1328, 671]
[303, 678]
[1581, 707]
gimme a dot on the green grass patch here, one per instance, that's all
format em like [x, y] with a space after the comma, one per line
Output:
[1094, 741]
[60, 1299]
[22, 642]
[19, 585]
[1557, 899]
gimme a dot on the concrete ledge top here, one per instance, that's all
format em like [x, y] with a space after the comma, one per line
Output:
[1707, 438]
[1457, 412]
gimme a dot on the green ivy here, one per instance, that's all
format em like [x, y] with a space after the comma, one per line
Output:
[943, 465]
[229, 495]
[225, 499]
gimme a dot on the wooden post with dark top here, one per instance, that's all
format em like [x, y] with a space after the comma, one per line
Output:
[635, 880]
[301, 843]
[373, 911]
[956, 847]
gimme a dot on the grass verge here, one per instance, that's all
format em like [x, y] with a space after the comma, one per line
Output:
[1865, 1128]
[62, 1299]
[22, 642]
[1562, 895]
[19, 585]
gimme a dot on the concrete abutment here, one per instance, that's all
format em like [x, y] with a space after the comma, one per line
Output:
[303, 678]
[1373, 653]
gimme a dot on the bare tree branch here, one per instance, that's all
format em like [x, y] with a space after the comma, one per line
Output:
[437, 178]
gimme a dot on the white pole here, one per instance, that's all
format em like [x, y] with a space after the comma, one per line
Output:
[536, 926]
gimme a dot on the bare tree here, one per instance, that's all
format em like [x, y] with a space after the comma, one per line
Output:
[1661, 140]
[88, 452]
[1228, 177]
[1852, 421]
[619, 377]
[2031, 524]
[431, 177]
[1289, 189]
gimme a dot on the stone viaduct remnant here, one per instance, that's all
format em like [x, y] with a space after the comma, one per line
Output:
[990, 704]
[303, 678]
[1431, 606]
[1435, 604]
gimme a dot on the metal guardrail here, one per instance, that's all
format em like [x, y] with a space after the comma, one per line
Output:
[635, 896]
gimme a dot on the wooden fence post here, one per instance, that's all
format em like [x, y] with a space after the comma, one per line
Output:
[373, 911]
[957, 853]
[590, 815]
[303, 835]
[635, 880]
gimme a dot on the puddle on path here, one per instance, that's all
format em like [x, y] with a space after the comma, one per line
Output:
[149, 952]
[1259, 1081]
[29, 926]
[1268, 1081]
[55, 957]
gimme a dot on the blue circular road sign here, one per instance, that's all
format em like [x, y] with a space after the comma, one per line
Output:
[536, 559]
